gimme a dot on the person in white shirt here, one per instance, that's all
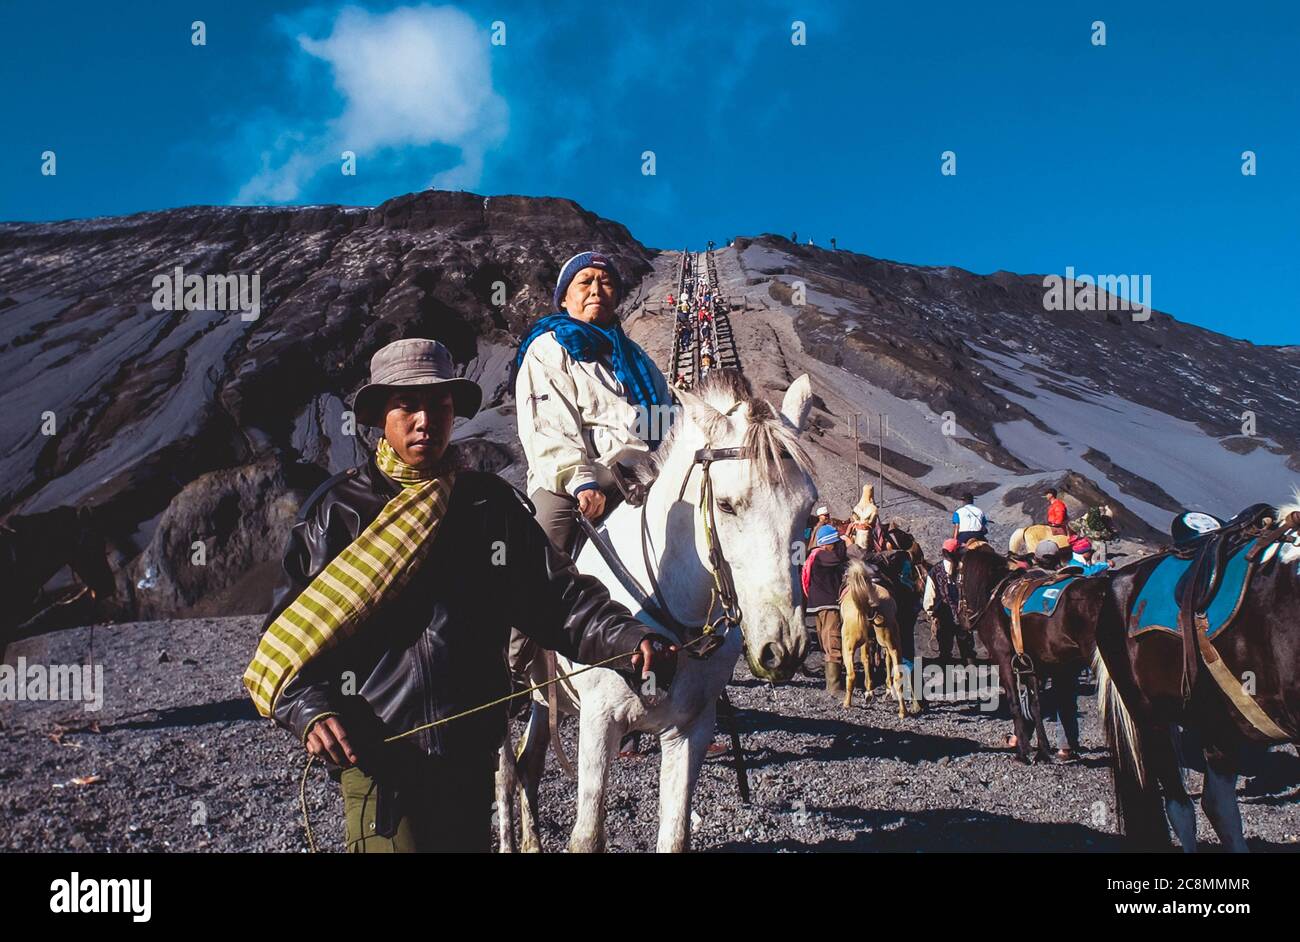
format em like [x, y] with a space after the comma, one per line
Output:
[969, 522]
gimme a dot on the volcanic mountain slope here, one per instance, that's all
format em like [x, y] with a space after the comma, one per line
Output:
[198, 426]
[1144, 415]
[111, 403]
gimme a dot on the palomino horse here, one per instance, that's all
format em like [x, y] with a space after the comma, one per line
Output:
[1245, 686]
[727, 452]
[33, 548]
[865, 510]
[868, 534]
[1057, 644]
[867, 608]
[1024, 540]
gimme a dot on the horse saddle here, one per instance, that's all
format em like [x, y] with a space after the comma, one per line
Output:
[1037, 593]
[1196, 593]
[1211, 587]
[1040, 595]
[1205, 580]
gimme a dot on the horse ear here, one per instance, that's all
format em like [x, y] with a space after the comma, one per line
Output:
[797, 403]
[709, 419]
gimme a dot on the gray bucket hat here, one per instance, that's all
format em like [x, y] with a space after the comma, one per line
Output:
[413, 362]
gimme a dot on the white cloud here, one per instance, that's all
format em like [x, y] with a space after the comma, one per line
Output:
[411, 77]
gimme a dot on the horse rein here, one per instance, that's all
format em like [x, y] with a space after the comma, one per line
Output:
[654, 602]
[1001, 584]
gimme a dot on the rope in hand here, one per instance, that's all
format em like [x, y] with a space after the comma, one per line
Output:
[302, 789]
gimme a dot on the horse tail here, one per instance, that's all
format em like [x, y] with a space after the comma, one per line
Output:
[1139, 810]
[1293, 506]
[1121, 732]
[861, 589]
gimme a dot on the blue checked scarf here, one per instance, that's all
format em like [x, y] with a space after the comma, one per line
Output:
[587, 343]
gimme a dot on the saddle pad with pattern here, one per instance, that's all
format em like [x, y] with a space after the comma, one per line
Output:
[1156, 605]
[1042, 601]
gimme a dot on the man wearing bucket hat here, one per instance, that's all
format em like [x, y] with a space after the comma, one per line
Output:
[400, 583]
[592, 406]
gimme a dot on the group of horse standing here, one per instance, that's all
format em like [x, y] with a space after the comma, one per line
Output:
[1156, 681]
[706, 557]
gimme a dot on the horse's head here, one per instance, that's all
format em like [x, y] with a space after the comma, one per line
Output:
[865, 509]
[979, 570]
[760, 503]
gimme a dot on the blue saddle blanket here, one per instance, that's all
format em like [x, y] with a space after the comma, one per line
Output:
[1042, 601]
[1157, 608]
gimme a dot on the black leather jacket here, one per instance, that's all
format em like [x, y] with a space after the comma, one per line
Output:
[437, 647]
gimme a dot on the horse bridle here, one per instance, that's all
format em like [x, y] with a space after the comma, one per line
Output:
[964, 609]
[1022, 665]
[707, 638]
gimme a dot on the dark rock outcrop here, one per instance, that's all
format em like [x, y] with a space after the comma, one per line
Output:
[115, 404]
[224, 531]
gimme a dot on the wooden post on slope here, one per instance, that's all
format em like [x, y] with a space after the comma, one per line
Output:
[880, 457]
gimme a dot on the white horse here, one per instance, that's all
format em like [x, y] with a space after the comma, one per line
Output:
[761, 500]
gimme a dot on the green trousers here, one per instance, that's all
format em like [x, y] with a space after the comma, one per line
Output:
[442, 805]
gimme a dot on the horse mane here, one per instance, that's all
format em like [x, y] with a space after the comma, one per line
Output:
[865, 594]
[768, 438]
[1285, 510]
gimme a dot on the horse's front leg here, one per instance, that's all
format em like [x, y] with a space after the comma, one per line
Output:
[598, 737]
[849, 640]
[683, 752]
[1009, 683]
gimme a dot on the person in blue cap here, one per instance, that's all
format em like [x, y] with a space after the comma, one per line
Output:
[823, 575]
[592, 406]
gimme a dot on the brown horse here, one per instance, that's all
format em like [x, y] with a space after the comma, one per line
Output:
[35, 547]
[1244, 689]
[1058, 645]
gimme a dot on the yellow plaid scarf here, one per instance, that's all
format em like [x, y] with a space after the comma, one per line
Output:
[338, 601]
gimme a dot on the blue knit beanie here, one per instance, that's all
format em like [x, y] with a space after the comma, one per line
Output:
[578, 263]
[827, 534]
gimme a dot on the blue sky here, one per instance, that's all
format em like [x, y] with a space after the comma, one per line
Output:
[1117, 159]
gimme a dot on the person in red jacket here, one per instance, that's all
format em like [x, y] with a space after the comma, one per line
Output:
[822, 577]
[1057, 514]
